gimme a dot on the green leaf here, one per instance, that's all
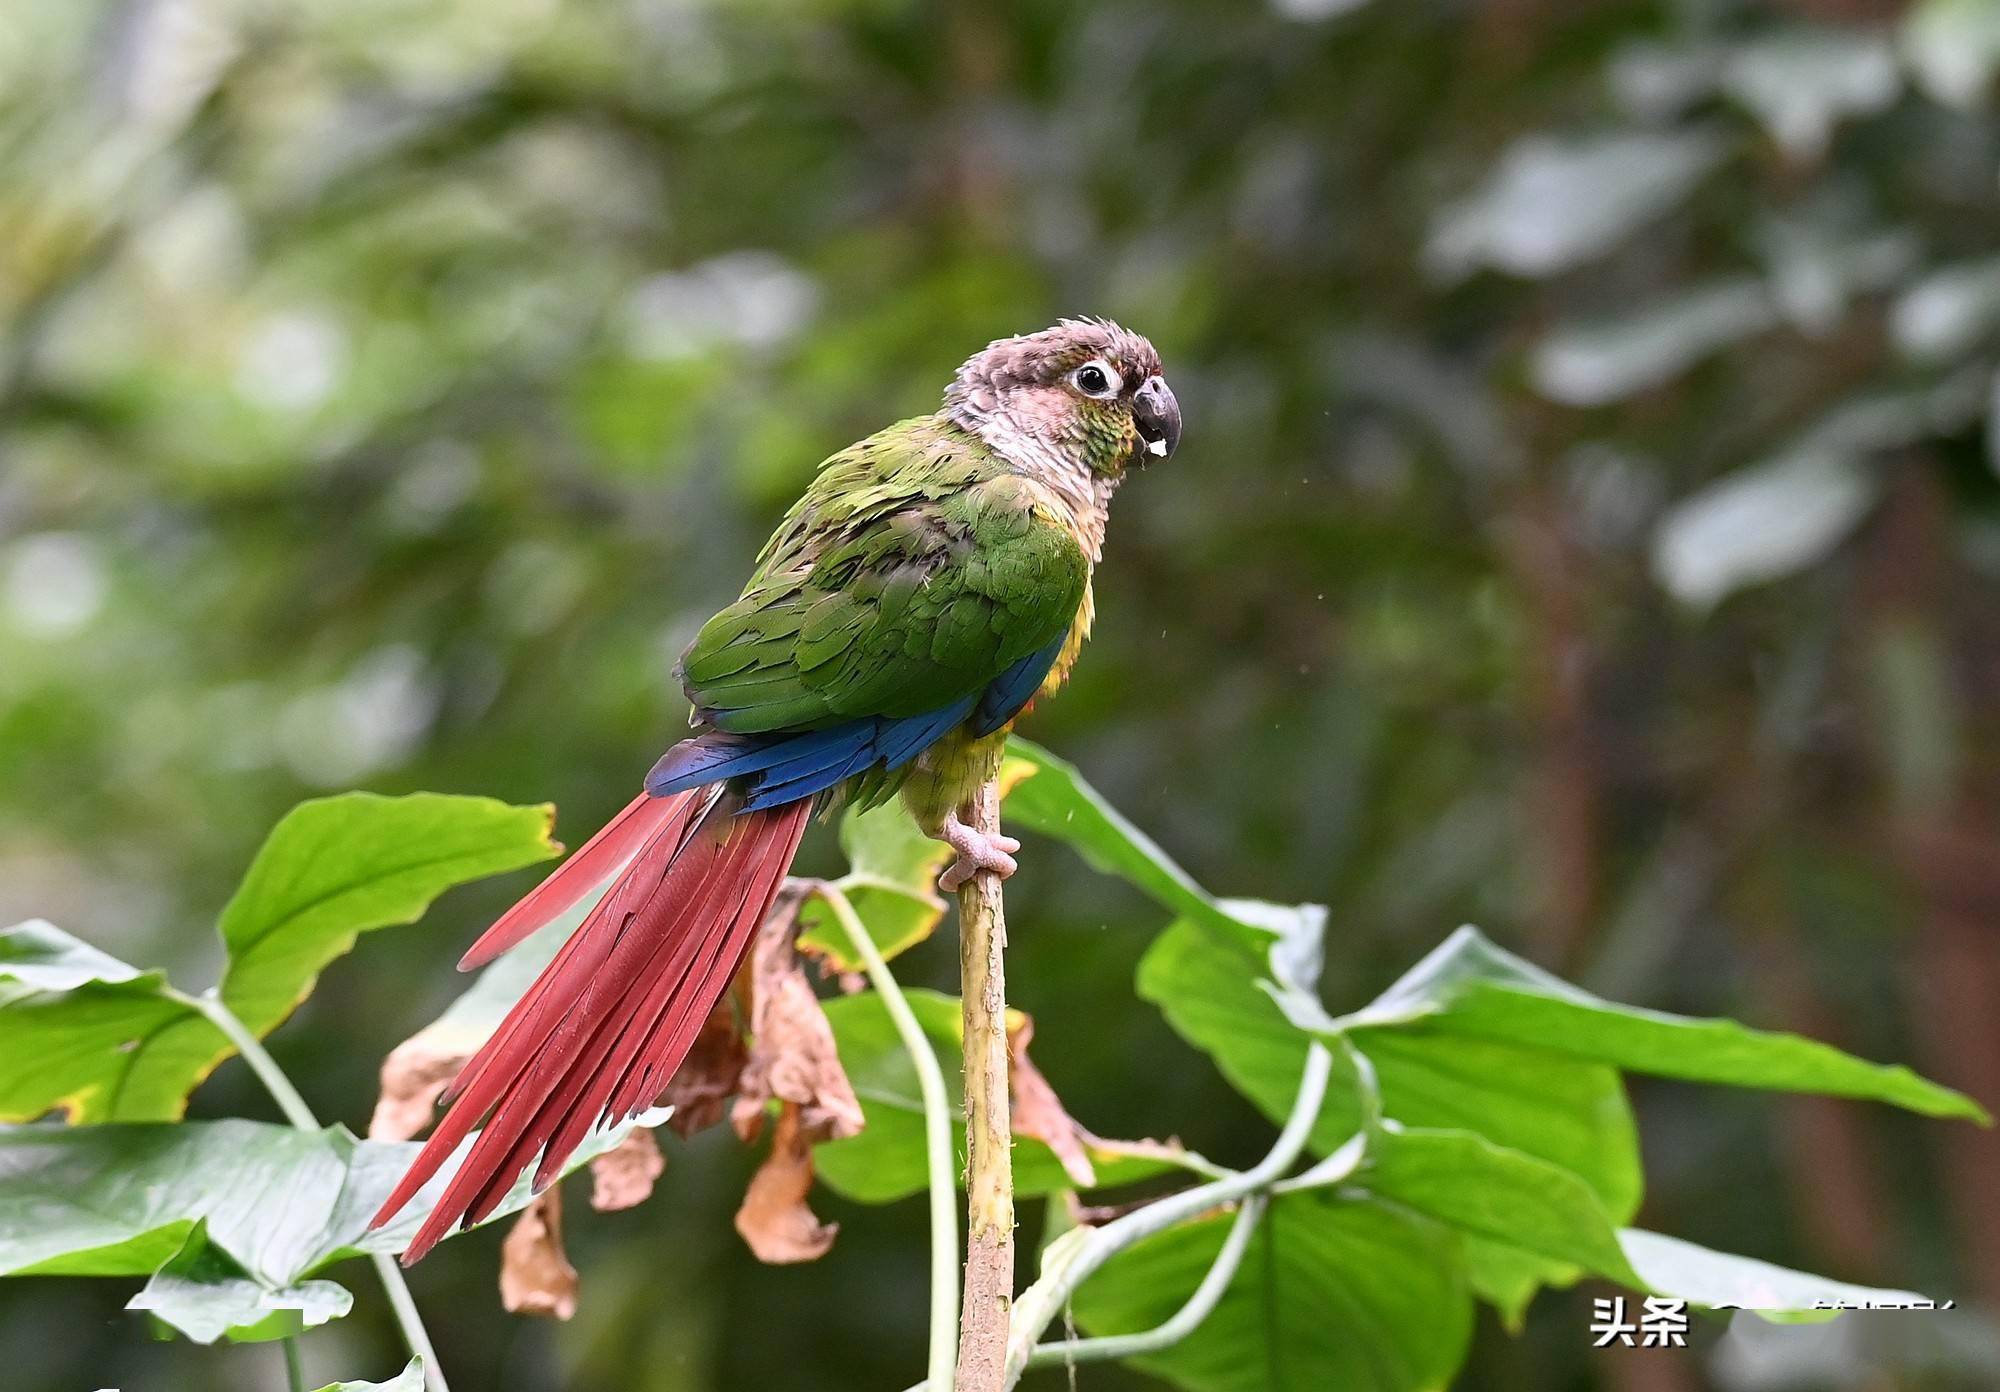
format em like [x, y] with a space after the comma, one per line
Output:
[885, 1162]
[1507, 1278]
[1051, 797]
[1206, 984]
[124, 1198]
[1498, 1196]
[340, 866]
[891, 883]
[1332, 1293]
[39, 955]
[411, 1379]
[207, 1295]
[1530, 1222]
[116, 1044]
[1471, 990]
[109, 1041]
[1718, 1280]
[1569, 1112]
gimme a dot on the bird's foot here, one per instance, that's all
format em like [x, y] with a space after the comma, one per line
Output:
[976, 851]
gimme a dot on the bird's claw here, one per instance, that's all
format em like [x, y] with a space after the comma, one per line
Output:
[976, 851]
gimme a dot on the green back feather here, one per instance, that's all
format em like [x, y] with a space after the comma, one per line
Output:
[914, 570]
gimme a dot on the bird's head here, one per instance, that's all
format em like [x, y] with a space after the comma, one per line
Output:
[1086, 389]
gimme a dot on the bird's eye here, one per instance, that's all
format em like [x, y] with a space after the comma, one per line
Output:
[1097, 379]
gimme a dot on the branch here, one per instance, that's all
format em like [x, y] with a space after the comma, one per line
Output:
[989, 1185]
[415, 1336]
[937, 1137]
[1077, 1254]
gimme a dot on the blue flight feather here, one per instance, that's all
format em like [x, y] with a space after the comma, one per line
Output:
[902, 740]
[1014, 688]
[782, 767]
[779, 767]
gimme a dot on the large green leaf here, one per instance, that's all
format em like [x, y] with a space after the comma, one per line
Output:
[1567, 1111]
[1475, 992]
[1498, 1196]
[109, 1041]
[113, 1043]
[1206, 983]
[886, 1161]
[124, 1199]
[1046, 794]
[1332, 1293]
[207, 1295]
[339, 866]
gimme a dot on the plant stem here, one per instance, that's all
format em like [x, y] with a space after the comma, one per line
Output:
[295, 1377]
[1185, 1320]
[1076, 1255]
[415, 1336]
[937, 1139]
[989, 1186]
[254, 1053]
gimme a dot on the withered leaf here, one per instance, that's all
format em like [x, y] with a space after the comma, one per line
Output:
[792, 1054]
[701, 1087]
[535, 1275]
[1038, 1112]
[413, 1075]
[774, 1219]
[623, 1176]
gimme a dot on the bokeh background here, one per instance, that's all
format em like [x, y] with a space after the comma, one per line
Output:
[1587, 526]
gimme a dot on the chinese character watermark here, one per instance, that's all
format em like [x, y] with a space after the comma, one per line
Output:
[1662, 1323]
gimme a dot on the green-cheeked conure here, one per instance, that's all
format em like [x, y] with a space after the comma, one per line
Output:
[931, 581]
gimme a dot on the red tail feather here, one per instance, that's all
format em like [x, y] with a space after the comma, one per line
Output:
[609, 1020]
[602, 856]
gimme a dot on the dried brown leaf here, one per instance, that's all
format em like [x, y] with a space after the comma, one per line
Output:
[623, 1176]
[774, 1219]
[535, 1275]
[413, 1075]
[792, 1054]
[1038, 1113]
[701, 1087]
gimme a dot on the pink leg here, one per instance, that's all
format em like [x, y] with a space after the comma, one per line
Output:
[976, 851]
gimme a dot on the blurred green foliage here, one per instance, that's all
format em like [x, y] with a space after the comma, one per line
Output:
[1587, 525]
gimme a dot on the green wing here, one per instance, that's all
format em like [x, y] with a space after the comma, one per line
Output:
[913, 572]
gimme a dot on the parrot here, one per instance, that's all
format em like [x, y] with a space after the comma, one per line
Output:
[929, 584]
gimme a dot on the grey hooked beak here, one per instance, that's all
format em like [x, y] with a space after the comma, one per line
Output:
[1158, 417]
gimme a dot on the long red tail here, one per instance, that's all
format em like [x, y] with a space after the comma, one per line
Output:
[609, 1020]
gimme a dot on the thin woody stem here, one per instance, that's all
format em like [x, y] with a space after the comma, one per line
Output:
[989, 1260]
